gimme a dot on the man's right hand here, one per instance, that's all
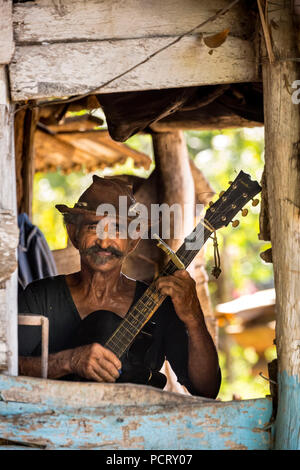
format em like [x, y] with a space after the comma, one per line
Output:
[95, 362]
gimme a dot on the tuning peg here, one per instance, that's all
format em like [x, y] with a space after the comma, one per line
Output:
[210, 203]
[255, 202]
[230, 182]
[221, 193]
[235, 223]
[244, 212]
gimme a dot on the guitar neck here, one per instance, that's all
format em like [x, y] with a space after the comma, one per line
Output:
[136, 318]
[186, 255]
[150, 301]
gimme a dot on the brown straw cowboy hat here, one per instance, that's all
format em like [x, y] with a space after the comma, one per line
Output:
[104, 190]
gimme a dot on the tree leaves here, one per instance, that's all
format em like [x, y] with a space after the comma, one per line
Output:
[216, 40]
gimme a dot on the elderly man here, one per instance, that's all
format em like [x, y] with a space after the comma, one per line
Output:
[100, 291]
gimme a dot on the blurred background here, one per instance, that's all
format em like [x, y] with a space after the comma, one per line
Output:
[243, 296]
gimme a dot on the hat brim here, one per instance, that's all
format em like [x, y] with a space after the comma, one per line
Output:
[86, 212]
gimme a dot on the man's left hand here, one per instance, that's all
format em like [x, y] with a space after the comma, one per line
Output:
[181, 287]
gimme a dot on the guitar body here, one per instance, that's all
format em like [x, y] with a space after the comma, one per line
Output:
[98, 326]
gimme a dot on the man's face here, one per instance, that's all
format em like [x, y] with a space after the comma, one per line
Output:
[100, 250]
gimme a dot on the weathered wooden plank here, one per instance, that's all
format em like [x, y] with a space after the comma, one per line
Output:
[234, 427]
[62, 394]
[202, 122]
[6, 28]
[9, 239]
[282, 126]
[124, 416]
[58, 70]
[8, 288]
[28, 161]
[77, 20]
[176, 181]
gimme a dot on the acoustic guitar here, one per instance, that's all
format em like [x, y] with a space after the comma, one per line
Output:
[129, 338]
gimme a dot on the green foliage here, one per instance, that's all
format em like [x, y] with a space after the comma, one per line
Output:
[50, 189]
[241, 383]
[221, 156]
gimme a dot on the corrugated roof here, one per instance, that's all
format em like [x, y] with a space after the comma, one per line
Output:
[78, 141]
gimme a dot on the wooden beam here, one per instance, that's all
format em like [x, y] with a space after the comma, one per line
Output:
[24, 127]
[6, 27]
[176, 180]
[77, 124]
[282, 131]
[264, 220]
[51, 60]
[59, 70]
[79, 20]
[8, 234]
[19, 139]
[28, 163]
[205, 121]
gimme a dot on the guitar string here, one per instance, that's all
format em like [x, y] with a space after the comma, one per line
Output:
[138, 318]
[117, 342]
[143, 314]
[123, 346]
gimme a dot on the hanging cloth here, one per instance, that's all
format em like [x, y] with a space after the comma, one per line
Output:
[35, 260]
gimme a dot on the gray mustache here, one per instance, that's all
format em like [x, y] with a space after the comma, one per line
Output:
[97, 249]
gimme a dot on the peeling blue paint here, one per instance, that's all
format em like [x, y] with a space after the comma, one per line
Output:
[287, 426]
[165, 429]
[199, 424]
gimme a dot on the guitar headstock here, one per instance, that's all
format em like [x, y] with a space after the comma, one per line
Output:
[231, 201]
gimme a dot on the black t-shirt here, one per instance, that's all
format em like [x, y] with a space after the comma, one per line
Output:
[51, 297]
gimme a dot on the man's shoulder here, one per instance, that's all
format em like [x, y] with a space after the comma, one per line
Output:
[43, 291]
[51, 283]
[44, 296]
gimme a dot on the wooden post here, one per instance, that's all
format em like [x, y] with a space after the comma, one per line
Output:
[177, 187]
[282, 130]
[176, 181]
[8, 235]
[7, 45]
[25, 126]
